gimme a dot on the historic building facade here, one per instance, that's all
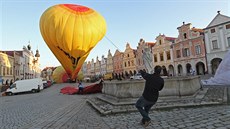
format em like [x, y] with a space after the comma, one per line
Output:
[118, 64]
[195, 50]
[88, 69]
[31, 63]
[217, 41]
[189, 51]
[109, 64]
[84, 68]
[20, 64]
[103, 65]
[163, 54]
[129, 61]
[92, 68]
[47, 73]
[6, 68]
[97, 67]
[18, 60]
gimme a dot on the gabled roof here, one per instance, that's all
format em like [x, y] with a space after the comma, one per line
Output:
[172, 39]
[219, 19]
[53, 68]
[151, 44]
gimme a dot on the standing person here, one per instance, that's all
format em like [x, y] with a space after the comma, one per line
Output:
[154, 83]
[11, 82]
[80, 88]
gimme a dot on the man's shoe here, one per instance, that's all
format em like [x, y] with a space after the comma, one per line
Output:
[142, 122]
[146, 123]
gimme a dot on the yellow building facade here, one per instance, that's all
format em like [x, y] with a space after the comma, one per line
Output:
[6, 68]
[129, 61]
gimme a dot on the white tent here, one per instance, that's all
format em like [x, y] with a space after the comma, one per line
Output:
[222, 75]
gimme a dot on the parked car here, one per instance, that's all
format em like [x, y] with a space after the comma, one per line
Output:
[136, 77]
[44, 84]
[47, 83]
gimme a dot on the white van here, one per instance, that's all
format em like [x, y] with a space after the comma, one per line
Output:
[29, 85]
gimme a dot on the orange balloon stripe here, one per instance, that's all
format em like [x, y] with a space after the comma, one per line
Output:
[77, 9]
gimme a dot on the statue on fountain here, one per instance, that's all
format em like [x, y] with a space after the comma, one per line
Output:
[148, 60]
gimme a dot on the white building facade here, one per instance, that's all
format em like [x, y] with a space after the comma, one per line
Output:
[217, 41]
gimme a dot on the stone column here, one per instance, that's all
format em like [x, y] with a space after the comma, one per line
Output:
[209, 68]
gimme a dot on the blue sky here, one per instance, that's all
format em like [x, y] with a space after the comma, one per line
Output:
[127, 21]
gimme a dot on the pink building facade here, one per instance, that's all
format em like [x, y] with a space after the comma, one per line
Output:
[189, 51]
[117, 64]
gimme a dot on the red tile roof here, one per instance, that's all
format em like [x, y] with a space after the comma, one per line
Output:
[170, 38]
[150, 43]
[197, 29]
[53, 68]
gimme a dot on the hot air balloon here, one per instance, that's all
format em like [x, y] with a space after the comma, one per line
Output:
[71, 31]
[60, 75]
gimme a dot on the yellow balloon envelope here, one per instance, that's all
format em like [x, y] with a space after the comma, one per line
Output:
[71, 31]
[59, 75]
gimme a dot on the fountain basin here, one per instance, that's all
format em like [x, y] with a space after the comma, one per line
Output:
[179, 86]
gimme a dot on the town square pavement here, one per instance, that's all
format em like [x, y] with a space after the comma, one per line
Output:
[49, 109]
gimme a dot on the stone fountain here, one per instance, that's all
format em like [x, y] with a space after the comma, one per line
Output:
[118, 92]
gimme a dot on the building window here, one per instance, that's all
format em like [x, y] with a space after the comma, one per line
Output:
[228, 41]
[132, 62]
[160, 42]
[213, 30]
[168, 55]
[186, 52]
[125, 64]
[155, 57]
[198, 50]
[128, 55]
[228, 26]
[185, 36]
[178, 54]
[128, 63]
[161, 57]
[214, 44]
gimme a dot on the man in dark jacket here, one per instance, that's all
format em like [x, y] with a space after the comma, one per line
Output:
[154, 83]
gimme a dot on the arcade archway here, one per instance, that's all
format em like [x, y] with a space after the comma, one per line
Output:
[214, 64]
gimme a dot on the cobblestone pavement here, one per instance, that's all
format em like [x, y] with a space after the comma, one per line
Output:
[212, 117]
[48, 109]
[51, 110]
